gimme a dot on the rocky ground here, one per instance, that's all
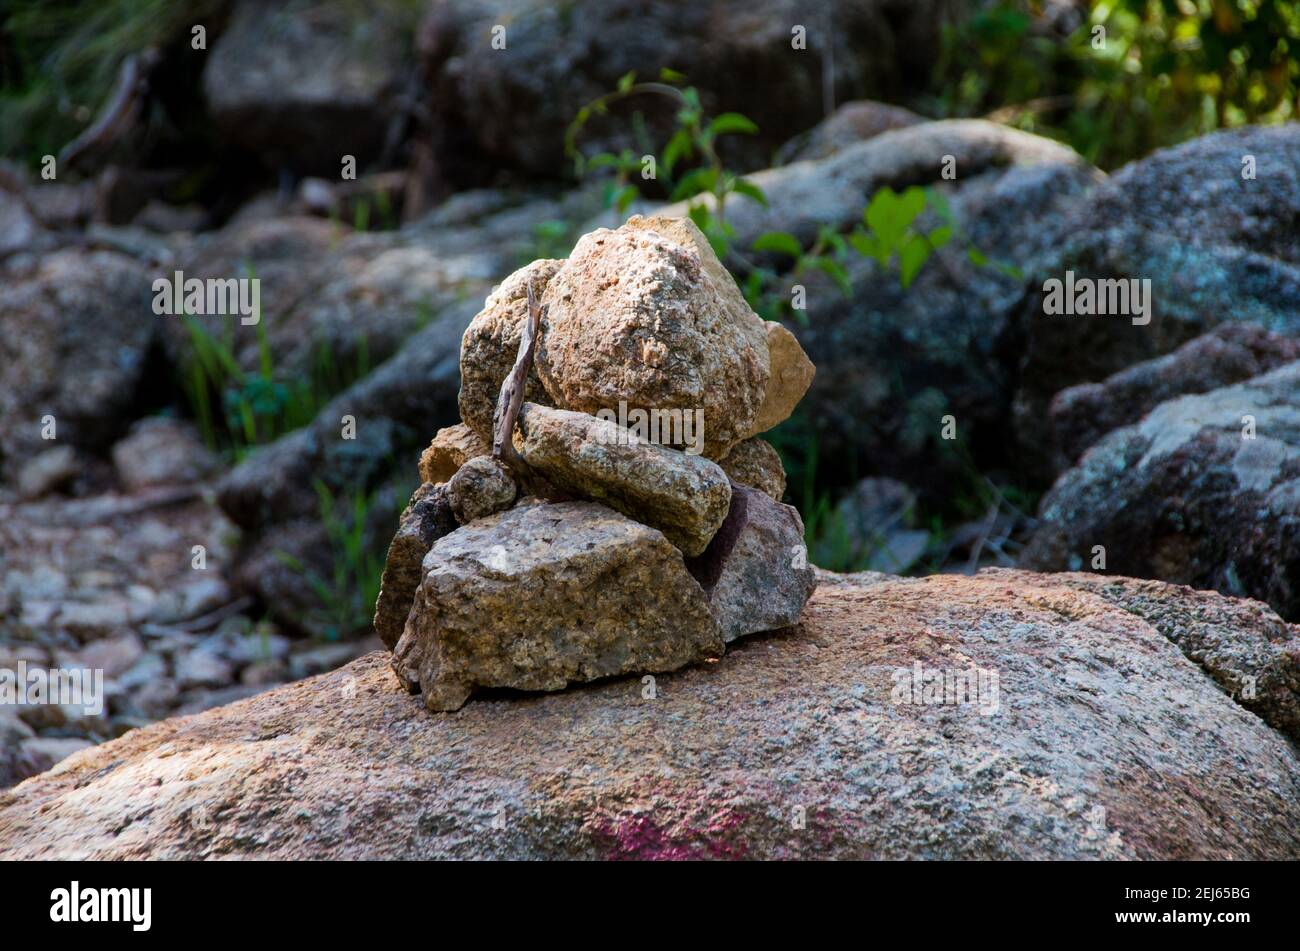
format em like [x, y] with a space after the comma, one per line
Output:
[110, 584]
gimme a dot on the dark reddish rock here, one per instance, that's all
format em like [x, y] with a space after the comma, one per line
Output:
[427, 518]
[763, 579]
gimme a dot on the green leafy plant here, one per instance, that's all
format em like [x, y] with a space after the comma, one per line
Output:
[347, 595]
[237, 410]
[1132, 76]
[689, 167]
[890, 232]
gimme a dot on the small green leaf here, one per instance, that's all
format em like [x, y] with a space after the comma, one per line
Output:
[625, 198]
[747, 188]
[884, 216]
[626, 81]
[869, 246]
[671, 76]
[977, 257]
[732, 123]
[832, 239]
[835, 271]
[939, 203]
[911, 258]
[678, 147]
[940, 236]
[782, 242]
[911, 204]
[602, 160]
[694, 182]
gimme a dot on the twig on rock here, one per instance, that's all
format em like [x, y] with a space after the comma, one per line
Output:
[512, 395]
[121, 113]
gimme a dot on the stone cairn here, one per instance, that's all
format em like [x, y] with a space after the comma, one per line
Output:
[605, 506]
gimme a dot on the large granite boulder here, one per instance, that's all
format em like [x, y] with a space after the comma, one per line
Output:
[1230, 353]
[1215, 244]
[851, 123]
[1204, 491]
[807, 744]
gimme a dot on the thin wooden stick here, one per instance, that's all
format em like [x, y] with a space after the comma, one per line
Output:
[512, 393]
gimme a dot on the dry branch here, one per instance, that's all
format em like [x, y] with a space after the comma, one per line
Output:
[512, 394]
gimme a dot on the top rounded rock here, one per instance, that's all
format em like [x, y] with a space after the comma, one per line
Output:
[638, 317]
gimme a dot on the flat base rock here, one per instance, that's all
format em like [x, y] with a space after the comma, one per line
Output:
[545, 595]
[1107, 743]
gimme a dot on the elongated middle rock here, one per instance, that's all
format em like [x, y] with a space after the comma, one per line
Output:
[685, 497]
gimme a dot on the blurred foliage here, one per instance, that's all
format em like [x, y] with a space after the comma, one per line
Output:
[59, 61]
[346, 598]
[689, 166]
[237, 410]
[1120, 78]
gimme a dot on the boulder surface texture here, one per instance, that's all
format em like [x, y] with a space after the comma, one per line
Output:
[1107, 742]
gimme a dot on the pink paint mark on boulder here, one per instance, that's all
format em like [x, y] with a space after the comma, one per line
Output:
[669, 826]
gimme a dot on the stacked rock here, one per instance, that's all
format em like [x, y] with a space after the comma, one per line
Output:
[633, 523]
